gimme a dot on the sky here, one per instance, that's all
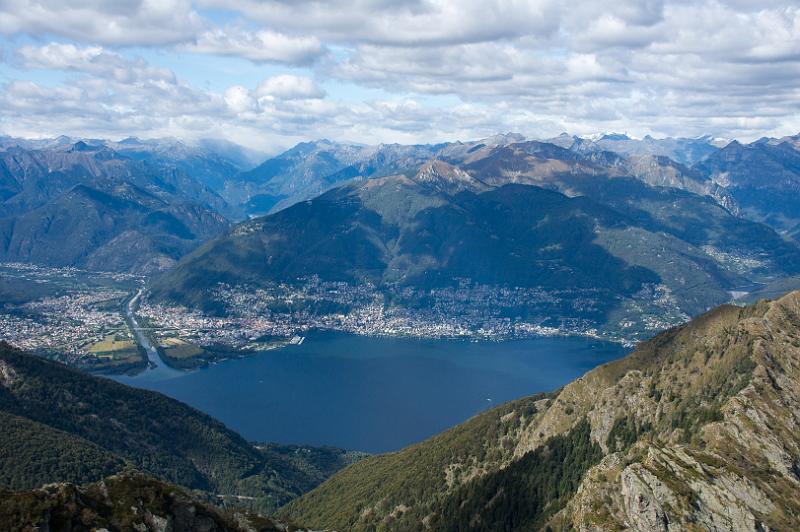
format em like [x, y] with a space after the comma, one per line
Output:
[269, 73]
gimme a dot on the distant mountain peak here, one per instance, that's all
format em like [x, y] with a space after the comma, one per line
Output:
[733, 145]
[502, 139]
[446, 177]
[615, 136]
[82, 146]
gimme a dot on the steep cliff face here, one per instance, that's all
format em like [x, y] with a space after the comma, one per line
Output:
[713, 424]
[695, 430]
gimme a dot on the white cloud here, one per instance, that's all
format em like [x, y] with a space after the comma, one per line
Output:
[610, 31]
[239, 100]
[94, 60]
[260, 47]
[289, 87]
[119, 22]
[152, 23]
[403, 23]
[726, 67]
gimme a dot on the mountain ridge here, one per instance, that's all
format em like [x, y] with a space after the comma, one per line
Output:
[89, 206]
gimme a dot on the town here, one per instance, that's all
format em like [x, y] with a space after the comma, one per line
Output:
[67, 314]
[247, 316]
[78, 317]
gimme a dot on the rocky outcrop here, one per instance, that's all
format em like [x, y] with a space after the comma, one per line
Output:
[642, 494]
[7, 374]
[123, 502]
[719, 400]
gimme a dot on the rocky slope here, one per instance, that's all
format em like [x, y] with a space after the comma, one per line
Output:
[697, 429]
[123, 502]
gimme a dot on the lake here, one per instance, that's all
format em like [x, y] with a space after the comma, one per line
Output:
[374, 394]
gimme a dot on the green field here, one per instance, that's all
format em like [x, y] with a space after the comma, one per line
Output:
[115, 352]
[180, 349]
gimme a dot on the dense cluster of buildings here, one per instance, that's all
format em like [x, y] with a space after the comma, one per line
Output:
[67, 325]
[69, 311]
[247, 317]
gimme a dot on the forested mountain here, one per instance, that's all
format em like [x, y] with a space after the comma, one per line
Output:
[528, 215]
[696, 429]
[90, 206]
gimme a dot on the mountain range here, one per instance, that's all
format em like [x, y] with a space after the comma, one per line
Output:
[726, 170]
[686, 151]
[763, 178]
[313, 167]
[586, 225]
[659, 217]
[90, 206]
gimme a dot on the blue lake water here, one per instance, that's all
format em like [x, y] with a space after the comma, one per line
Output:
[374, 394]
